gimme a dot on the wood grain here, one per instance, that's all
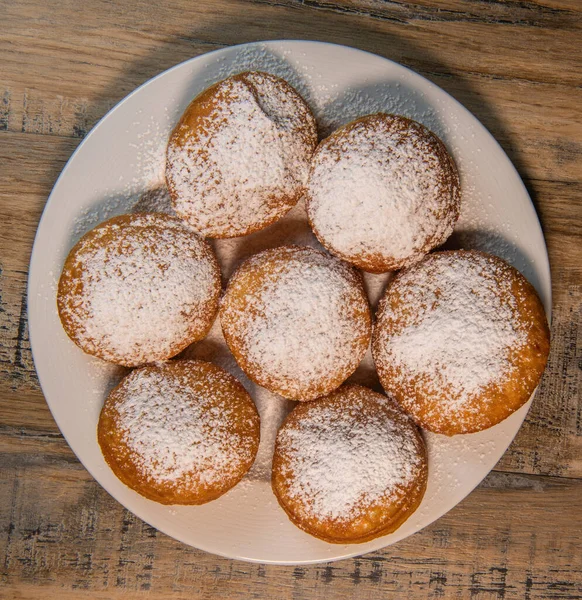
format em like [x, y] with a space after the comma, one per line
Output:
[516, 65]
[40, 100]
[512, 538]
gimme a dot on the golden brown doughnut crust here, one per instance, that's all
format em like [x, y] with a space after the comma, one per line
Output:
[485, 334]
[349, 467]
[138, 288]
[296, 320]
[383, 191]
[238, 159]
[182, 432]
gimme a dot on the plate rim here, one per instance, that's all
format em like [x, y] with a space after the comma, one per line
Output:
[544, 269]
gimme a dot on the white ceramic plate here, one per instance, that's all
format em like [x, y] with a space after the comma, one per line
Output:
[123, 156]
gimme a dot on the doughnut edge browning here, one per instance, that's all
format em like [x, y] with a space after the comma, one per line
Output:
[415, 493]
[69, 288]
[253, 372]
[508, 396]
[118, 456]
[201, 107]
[378, 264]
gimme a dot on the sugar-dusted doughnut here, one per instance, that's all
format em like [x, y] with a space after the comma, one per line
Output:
[139, 288]
[349, 467]
[382, 192]
[181, 432]
[296, 320]
[238, 158]
[461, 341]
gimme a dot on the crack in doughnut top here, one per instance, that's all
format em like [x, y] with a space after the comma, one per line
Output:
[297, 321]
[139, 288]
[239, 157]
[461, 341]
[383, 191]
[182, 432]
[349, 467]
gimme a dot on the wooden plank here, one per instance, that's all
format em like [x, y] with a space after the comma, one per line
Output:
[65, 93]
[549, 14]
[24, 187]
[49, 88]
[552, 15]
[113, 34]
[548, 443]
[514, 537]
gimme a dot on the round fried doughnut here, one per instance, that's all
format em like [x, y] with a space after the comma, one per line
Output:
[297, 321]
[182, 432]
[461, 341]
[139, 288]
[239, 157]
[383, 191]
[349, 467]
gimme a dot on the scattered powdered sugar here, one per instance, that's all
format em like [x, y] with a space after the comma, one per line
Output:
[332, 103]
[174, 432]
[305, 321]
[147, 290]
[495, 241]
[341, 457]
[247, 162]
[272, 408]
[293, 228]
[381, 190]
[113, 206]
[341, 107]
[156, 200]
[450, 325]
[146, 173]
[150, 159]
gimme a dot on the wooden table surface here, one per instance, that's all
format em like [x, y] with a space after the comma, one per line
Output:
[517, 65]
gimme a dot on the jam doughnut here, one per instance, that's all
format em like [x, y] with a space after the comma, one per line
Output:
[349, 467]
[181, 432]
[383, 191]
[296, 320]
[461, 341]
[139, 288]
[239, 157]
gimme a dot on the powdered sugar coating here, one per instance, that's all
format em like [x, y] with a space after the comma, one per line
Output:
[297, 321]
[184, 430]
[346, 459]
[382, 192]
[449, 331]
[139, 288]
[239, 158]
